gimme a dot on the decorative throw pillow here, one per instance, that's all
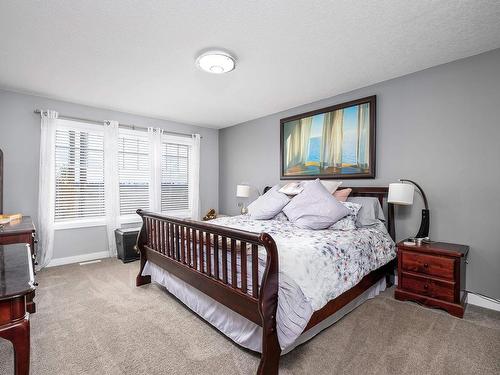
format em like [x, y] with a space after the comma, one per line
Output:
[268, 205]
[292, 188]
[348, 222]
[342, 194]
[315, 207]
[330, 185]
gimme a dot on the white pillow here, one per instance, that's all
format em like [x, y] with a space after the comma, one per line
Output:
[292, 188]
[268, 205]
[330, 185]
[315, 207]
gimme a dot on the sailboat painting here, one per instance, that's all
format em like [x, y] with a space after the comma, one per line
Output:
[337, 142]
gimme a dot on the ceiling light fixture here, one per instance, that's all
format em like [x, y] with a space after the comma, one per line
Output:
[216, 62]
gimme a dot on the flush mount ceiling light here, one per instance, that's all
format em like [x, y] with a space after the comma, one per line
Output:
[216, 62]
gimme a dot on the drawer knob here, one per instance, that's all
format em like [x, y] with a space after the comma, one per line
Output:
[426, 286]
[426, 265]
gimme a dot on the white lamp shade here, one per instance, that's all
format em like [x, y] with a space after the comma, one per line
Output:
[242, 191]
[400, 193]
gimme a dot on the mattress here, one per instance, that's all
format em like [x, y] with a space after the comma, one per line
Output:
[315, 266]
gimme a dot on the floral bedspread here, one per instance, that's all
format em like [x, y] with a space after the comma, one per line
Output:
[322, 263]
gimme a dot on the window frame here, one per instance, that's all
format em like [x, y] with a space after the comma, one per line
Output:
[133, 218]
[63, 124]
[187, 141]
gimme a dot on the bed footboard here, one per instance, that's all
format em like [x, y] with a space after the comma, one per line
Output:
[221, 262]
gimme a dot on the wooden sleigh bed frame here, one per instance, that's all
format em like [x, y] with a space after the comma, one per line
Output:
[172, 244]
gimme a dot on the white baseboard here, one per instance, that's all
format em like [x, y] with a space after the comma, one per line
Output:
[475, 299]
[78, 258]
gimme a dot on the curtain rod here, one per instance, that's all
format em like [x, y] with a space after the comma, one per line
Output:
[133, 127]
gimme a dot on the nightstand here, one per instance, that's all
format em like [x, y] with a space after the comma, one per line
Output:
[433, 274]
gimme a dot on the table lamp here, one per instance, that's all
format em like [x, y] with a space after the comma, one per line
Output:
[402, 194]
[243, 191]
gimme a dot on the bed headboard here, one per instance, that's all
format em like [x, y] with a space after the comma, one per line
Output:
[379, 192]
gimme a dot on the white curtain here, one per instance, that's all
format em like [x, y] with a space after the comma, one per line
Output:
[46, 187]
[298, 142]
[194, 176]
[305, 135]
[154, 141]
[332, 137]
[363, 149]
[111, 183]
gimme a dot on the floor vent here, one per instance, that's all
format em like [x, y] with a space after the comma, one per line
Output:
[90, 262]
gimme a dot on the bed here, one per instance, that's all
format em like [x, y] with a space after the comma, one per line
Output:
[231, 273]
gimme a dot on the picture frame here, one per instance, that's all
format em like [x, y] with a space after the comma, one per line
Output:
[336, 142]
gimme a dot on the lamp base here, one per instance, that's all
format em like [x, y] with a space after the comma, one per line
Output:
[423, 232]
[419, 240]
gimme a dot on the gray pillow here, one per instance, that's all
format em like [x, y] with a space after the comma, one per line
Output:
[315, 207]
[371, 211]
[268, 205]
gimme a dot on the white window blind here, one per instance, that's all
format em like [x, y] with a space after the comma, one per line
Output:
[133, 169]
[79, 163]
[175, 176]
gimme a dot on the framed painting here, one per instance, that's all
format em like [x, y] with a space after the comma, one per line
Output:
[337, 142]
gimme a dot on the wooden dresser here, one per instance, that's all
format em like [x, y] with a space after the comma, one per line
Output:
[17, 283]
[433, 274]
[22, 232]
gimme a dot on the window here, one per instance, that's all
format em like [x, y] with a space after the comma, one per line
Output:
[133, 170]
[80, 197]
[175, 194]
[79, 174]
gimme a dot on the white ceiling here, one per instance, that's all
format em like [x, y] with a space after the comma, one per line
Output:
[138, 56]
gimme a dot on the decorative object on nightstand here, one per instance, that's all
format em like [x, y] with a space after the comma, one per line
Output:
[433, 274]
[402, 194]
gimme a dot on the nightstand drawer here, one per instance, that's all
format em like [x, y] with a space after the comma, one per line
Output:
[443, 290]
[429, 264]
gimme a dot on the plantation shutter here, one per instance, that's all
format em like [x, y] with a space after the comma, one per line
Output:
[175, 176]
[133, 169]
[79, 174]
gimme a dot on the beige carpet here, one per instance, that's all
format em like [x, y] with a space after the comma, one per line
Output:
[92, 320]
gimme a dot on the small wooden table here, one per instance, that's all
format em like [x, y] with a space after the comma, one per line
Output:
[433, 274]
[21, 231]
[16, 284]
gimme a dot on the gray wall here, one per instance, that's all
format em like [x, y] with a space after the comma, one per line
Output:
[20, 142]
[440, 127]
